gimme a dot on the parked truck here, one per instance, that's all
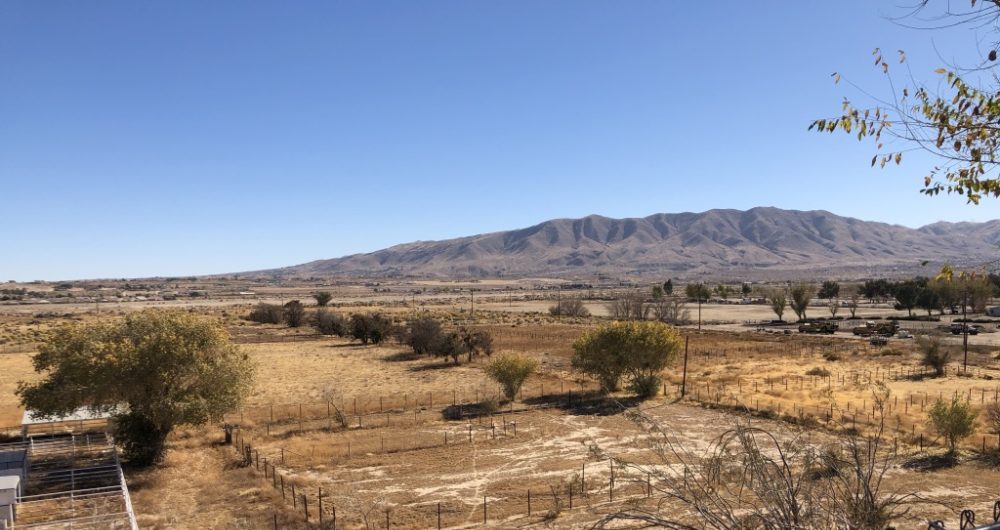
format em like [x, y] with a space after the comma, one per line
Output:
[819, 327]
[886, 329]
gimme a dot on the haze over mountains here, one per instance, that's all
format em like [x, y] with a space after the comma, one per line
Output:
[757, 243]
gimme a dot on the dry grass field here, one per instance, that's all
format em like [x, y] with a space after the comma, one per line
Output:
[367, 424]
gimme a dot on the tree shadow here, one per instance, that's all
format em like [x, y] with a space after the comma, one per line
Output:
[922, 376]
[437, 365]
[991, 459]
[402, 356]
[345, 345]
[579, 404]
[931, 462]
[470, 410]
[586, 404]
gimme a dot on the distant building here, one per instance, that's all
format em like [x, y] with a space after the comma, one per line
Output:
[993, 311]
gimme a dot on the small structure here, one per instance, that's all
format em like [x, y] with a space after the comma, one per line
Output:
[10, 490]
[13, 460]
[80, 421]
[993, 311]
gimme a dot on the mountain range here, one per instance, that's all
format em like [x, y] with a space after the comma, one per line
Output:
[757, 243]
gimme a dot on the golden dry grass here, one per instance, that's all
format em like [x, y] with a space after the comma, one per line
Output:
[198, 487]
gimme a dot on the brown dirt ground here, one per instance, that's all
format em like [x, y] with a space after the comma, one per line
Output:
[199, 487]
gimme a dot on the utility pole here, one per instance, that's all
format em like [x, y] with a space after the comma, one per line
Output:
[699, 311]
[559, 300]
[684, 377]
[965, 329]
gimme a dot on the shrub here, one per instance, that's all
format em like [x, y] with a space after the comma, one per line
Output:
[295, 313]
[571, 308]
[373, 328]
[266, 314]
[636, 349]
[993, 416]
[954, 420]
[818, 372]
[510, 371]
[323, 298]
[477, 342]
[489, 406]
[423, 335]
[329, 323]
[645, 386]
[934, 356]
[450, 345]
[672, 310]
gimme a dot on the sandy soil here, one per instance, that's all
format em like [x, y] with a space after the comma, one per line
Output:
[397, 460]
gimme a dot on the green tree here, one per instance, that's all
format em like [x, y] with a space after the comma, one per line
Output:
[946, 292]
[657, 293]
[955, 420]
[510, 371]
[799, 297]
[746, 289]
[723, 291]
[323, 298]
[638, 350]
[907, 293]
[928, 299]
[668, 287]
[156, 370]
[829, 289]
[875, 290]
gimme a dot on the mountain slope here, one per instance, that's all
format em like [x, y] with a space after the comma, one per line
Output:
[712, 242]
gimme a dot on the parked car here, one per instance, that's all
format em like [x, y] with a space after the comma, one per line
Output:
[904, 334]
[878, 340]
[958, 328]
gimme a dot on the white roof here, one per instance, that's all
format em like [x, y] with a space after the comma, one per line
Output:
[79, 414]
[9, 482]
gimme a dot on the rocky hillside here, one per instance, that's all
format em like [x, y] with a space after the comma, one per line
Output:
[760, 241]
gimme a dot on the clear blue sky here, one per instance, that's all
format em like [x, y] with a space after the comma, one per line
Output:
[175, 138]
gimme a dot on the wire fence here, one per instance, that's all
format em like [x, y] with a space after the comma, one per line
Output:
[613, 484]
[902, 417]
